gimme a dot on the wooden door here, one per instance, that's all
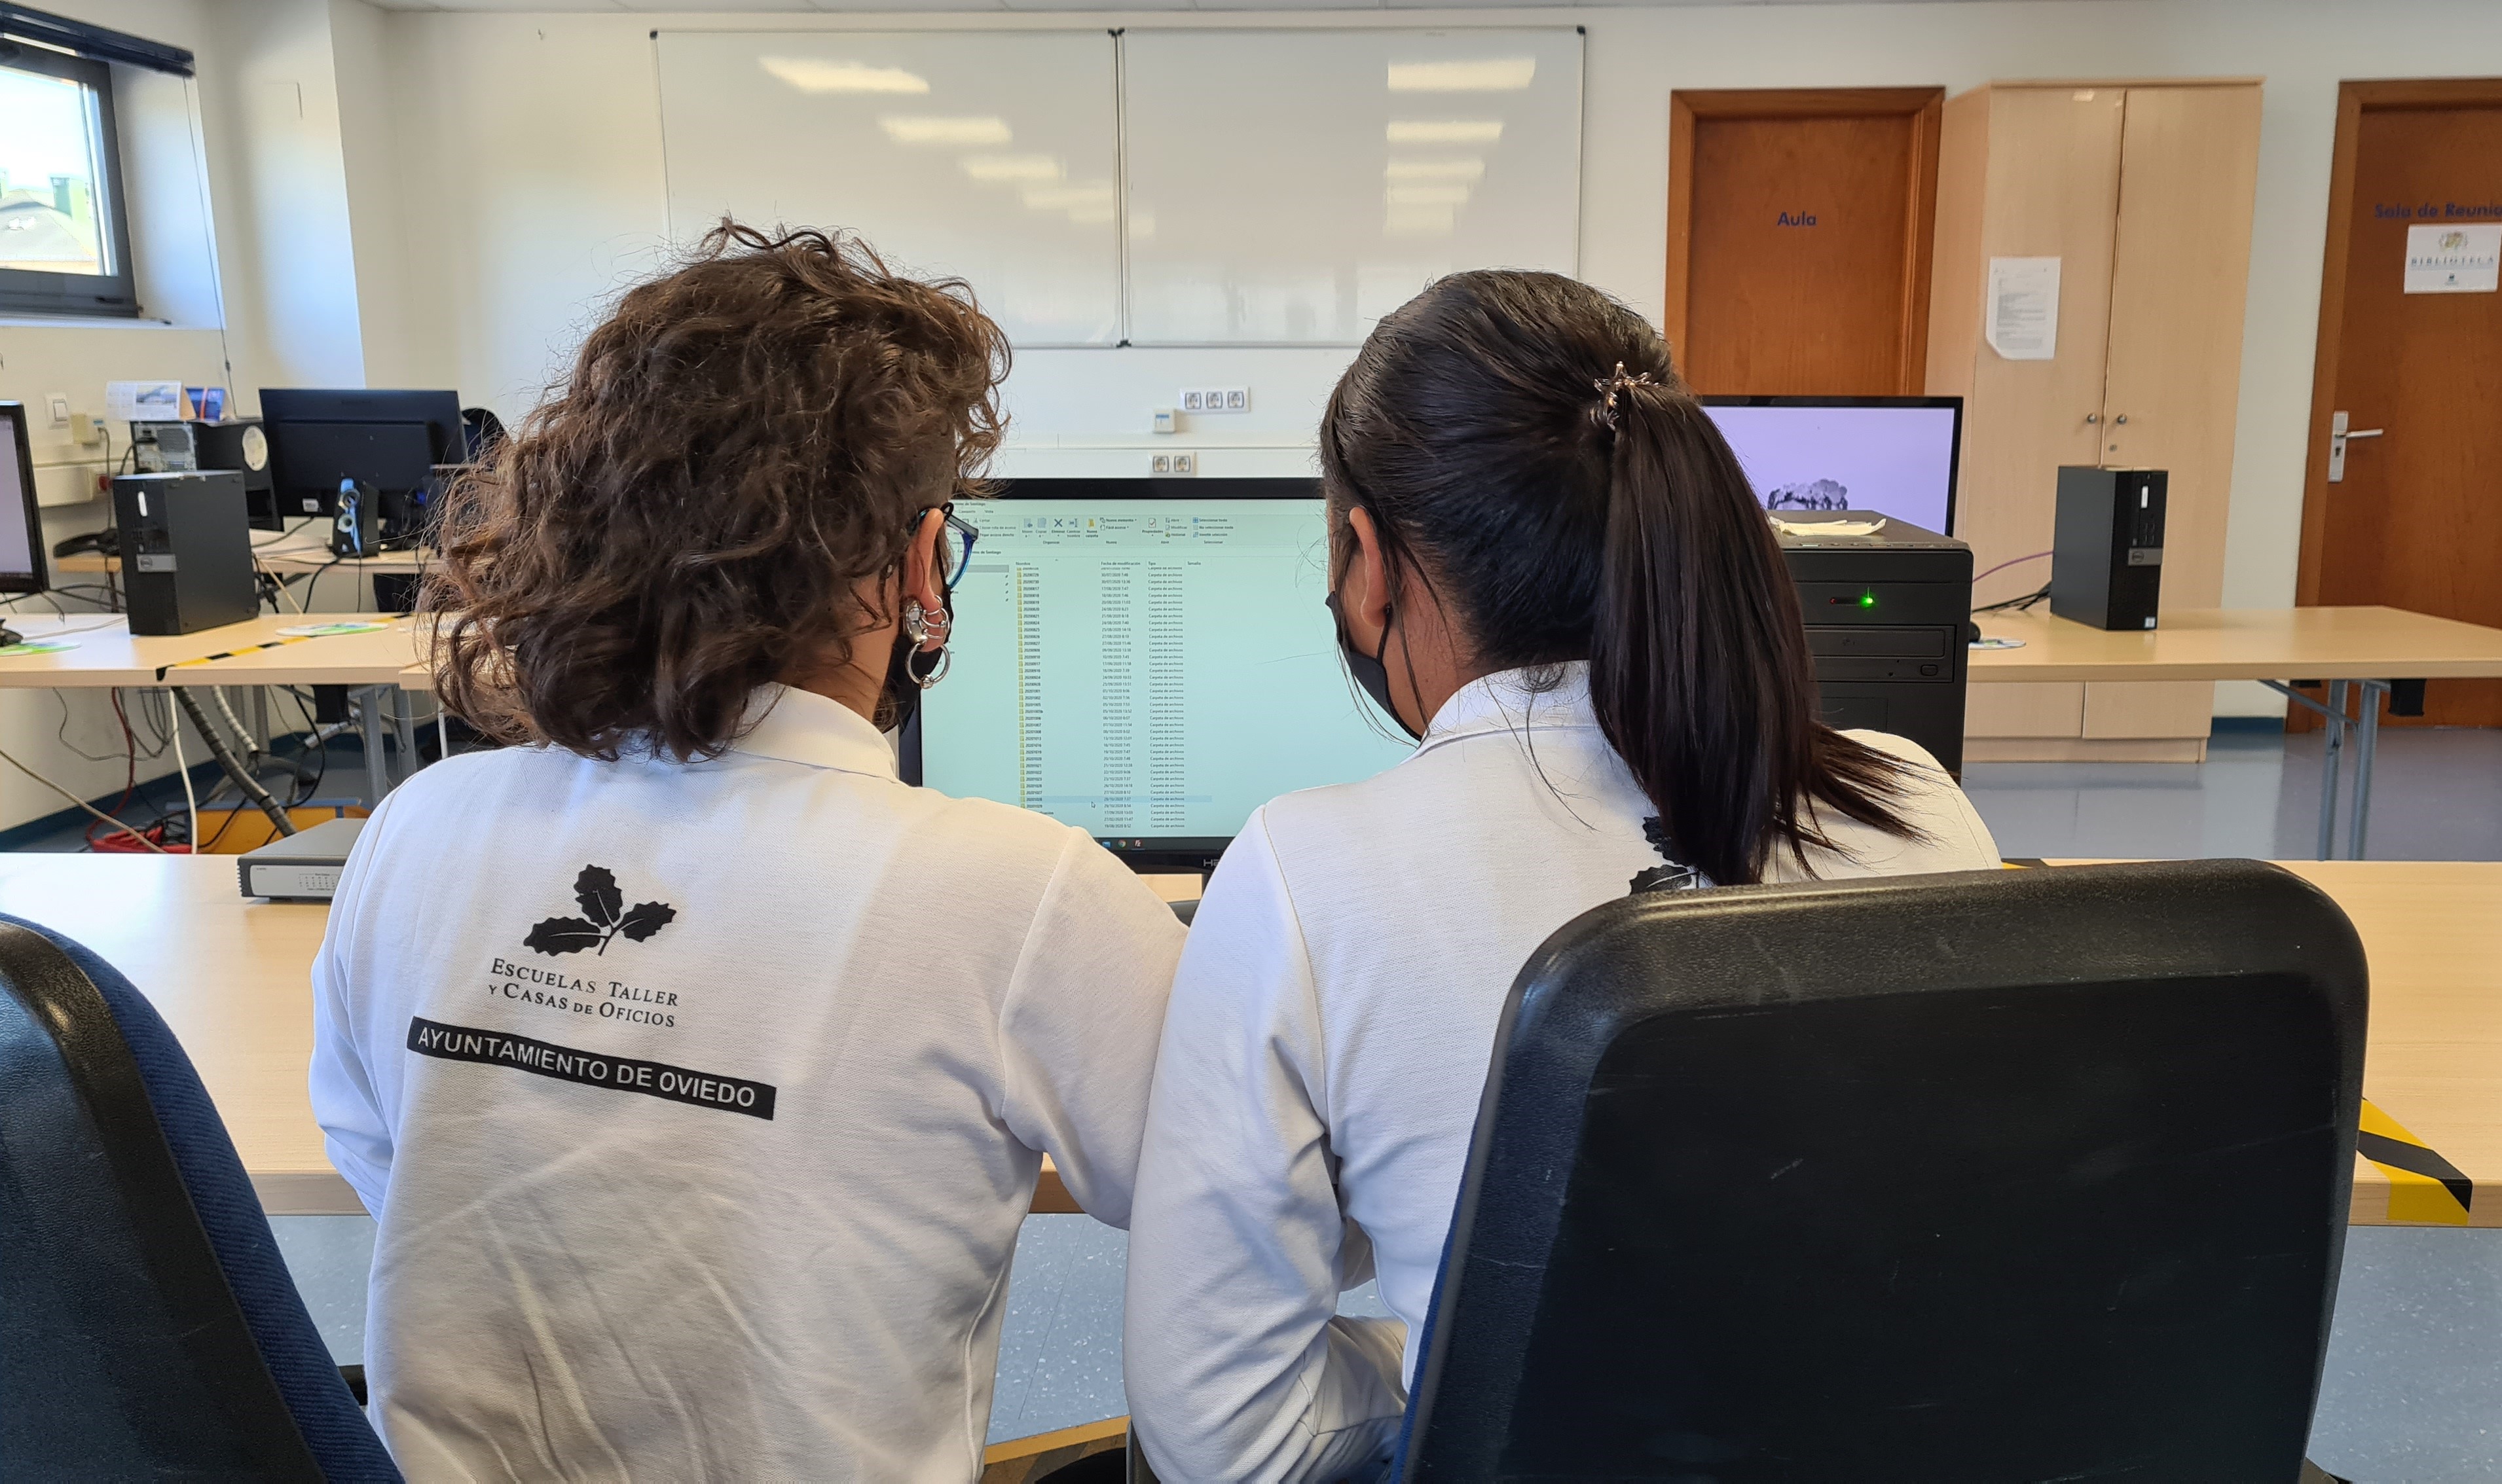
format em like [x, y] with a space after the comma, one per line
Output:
[1799, 239]
[2172, 369]
[2416, 521]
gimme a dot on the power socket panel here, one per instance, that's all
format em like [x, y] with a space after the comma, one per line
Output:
[1174, 465]
[1214, 399]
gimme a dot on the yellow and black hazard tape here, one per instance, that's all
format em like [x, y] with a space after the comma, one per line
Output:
[249, 649]
[2425, 1189]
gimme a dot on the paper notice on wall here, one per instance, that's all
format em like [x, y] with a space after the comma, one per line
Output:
[144, 401]
[2021, 320]
[2454, 260]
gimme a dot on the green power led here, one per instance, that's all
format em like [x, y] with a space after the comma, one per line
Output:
[1868, 600]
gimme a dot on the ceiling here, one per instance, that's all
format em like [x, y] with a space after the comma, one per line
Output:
[1089, 7]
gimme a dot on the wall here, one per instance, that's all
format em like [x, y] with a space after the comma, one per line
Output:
[236, 186]
[534, 141]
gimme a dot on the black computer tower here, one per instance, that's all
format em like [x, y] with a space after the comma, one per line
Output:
[163, 448]
[1887, 616]
[186, 550]
[2106, 547]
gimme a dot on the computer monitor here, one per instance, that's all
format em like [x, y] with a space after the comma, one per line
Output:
[21, 522]
[1147, 659]
[391, 440]
[1892, 455]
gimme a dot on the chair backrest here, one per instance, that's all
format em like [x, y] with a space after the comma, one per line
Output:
[2014, 1175]
[147, 1325]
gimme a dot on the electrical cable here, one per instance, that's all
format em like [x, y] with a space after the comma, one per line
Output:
[191, 840]
[2012, 561]
[2018, 603]
[12, 761]
[244, 784]
[234, 769]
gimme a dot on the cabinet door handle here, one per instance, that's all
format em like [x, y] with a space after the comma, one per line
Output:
[2092, 418]
[2122, 418]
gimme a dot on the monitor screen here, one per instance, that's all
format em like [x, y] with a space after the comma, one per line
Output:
[21, 528]
[1893, 456]
[1149, 668]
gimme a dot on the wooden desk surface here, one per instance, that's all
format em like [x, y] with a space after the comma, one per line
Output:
[107, 654]
[231, 978]
[2242, 644]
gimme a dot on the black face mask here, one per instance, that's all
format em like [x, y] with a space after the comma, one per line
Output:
[1368, 670]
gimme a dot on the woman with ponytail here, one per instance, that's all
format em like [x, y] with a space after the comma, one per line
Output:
[1547, 566]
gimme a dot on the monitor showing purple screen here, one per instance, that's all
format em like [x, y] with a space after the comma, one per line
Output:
[1898, 461]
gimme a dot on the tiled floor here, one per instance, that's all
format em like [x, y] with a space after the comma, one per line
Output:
[2414, 1384]
[2436, 796]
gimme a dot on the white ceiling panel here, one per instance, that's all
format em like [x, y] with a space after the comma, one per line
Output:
[712, 7]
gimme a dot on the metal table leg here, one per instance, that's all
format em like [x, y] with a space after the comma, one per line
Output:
[369, 720]
[2334, 713]
[404, 722]
[2367, 732]
[2328, 768]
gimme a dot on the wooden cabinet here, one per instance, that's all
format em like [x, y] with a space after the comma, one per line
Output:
[2142, 192]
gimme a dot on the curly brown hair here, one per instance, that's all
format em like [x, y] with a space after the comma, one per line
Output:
[699, 509]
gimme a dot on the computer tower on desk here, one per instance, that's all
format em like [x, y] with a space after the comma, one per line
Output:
[168, 448]
[2106, 547]
[1886, 619]
[186, 550]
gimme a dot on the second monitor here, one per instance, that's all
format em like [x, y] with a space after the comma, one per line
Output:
[391, 440]
[1887, 456]
[1148, 660]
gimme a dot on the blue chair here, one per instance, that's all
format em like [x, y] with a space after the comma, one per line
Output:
[147, 1325]
[1987, 1177]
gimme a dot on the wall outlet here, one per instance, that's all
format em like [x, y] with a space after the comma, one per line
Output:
[1185, 463]
[60, 406]
[1172, 465]
[1216, 399]
[84, 430]
[1161, 463]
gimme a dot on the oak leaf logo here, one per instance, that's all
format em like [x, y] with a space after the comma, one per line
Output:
[605, 915]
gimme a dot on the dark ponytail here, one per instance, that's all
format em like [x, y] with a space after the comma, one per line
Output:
[1521, 440]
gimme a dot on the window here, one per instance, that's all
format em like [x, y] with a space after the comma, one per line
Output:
[64, 249]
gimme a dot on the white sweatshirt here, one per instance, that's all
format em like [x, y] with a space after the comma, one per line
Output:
[1324, 1052]
[700, 1104]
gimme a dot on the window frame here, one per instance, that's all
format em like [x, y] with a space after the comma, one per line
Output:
[31, 294]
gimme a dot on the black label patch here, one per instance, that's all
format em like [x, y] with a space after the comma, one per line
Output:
[590, 1069]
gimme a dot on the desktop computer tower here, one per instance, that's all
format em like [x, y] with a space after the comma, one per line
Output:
[2106, 547]
[1888, 618]
[186, 550]
[171, 447]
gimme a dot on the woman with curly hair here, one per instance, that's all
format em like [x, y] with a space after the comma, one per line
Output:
[697, 1071]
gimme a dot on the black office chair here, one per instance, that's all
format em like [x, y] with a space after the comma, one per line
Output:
[147, 1325]
[2006, 1176]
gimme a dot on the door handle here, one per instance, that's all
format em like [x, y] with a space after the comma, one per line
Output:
[2339, 435]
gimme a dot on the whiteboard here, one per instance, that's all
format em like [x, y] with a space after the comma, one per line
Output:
[1290, 188]
[991, 156]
